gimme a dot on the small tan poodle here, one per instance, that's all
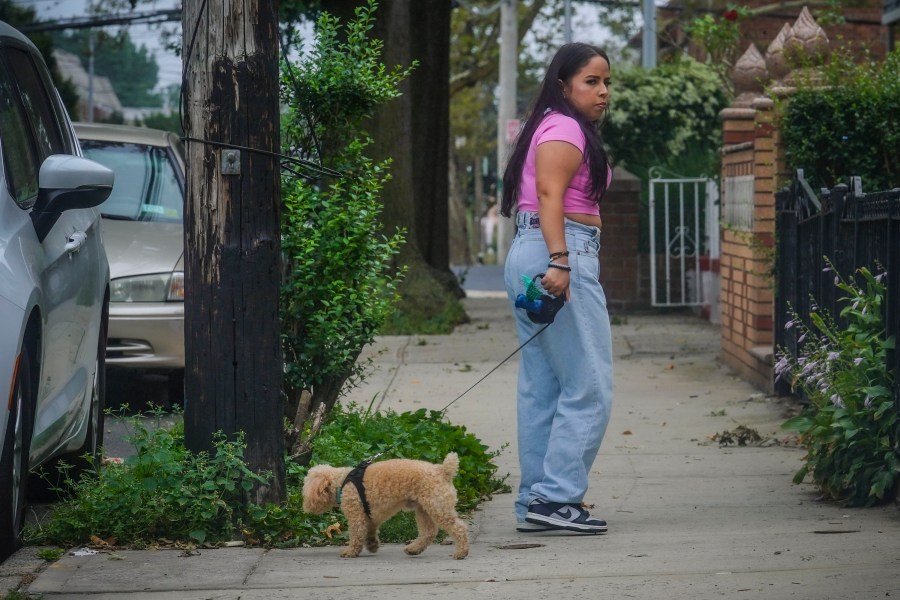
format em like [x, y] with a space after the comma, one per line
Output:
[388, 487]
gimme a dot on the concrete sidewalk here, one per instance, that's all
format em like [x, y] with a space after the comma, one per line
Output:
[688, 519]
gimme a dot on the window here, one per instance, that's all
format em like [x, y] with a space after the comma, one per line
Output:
[19, 161]
[37, 103]
[147, 187]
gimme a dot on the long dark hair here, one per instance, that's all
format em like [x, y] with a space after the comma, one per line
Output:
[568, 60]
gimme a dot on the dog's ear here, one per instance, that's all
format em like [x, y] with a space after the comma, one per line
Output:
[318, 492]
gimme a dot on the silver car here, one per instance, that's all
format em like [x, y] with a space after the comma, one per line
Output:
[144, 237]
[54, 283]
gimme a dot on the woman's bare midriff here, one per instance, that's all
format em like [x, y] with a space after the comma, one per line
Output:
[589, 220]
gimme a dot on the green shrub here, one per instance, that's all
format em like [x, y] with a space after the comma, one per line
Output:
[352, 435]
[850, 429]
[829, 126]
[667, 117]
[339, 282]
[161, 491]
[164, 494]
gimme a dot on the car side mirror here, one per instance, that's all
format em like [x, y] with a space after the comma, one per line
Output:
[66, 183]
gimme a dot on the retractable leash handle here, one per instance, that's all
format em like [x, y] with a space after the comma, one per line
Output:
[539, 306]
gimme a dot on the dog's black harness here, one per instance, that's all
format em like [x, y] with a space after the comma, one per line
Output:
[356, 478]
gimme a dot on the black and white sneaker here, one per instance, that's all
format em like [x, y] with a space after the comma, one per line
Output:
[571, 517]
[526, 527]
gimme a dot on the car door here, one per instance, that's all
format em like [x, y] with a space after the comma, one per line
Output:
[68, 264]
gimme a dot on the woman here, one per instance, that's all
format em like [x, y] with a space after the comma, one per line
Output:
[557, 174]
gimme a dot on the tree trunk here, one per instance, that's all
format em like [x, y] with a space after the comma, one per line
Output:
[233, 370]
[460, 235]
[414, 131]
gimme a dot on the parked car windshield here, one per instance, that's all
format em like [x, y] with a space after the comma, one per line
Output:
[146, 188]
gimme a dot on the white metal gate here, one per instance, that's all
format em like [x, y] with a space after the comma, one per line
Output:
[684, 238]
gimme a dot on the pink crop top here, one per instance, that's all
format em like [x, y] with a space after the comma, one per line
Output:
[558, 127]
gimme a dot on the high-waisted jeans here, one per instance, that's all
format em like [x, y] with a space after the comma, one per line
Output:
[565, 383]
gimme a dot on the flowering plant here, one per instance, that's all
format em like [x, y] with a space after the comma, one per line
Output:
[850, 428]
[719, 35]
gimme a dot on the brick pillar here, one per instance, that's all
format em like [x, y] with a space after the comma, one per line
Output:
[748, 209]
[620, 267]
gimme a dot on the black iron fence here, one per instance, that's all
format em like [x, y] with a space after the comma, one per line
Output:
[852, 229]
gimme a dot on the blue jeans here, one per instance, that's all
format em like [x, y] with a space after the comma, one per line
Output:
[565, 383]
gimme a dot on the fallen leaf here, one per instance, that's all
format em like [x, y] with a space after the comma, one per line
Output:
[332, 529]
[627, 432]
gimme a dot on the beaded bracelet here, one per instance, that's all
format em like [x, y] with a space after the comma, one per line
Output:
[556, 255]
[554, 265]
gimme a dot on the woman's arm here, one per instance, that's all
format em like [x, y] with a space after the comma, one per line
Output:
[556, 163]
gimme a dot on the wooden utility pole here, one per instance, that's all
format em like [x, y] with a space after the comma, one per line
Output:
[233, 370]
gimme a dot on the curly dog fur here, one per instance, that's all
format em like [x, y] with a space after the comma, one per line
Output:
[391, 486]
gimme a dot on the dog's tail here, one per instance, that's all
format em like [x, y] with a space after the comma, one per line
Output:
[451, 466]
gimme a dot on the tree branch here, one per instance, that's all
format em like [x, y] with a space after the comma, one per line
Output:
[488, 68]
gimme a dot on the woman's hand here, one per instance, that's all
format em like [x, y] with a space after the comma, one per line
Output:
[556, 282]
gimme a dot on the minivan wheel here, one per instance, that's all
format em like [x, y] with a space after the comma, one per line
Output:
[14, 461]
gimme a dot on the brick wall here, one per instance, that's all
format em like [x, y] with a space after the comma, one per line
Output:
[620, 265]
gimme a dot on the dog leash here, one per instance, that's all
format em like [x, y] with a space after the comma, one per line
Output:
[500, 364]
[365, 463]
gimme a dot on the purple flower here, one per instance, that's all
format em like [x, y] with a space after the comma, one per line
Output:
[858, 360]
[790, 324]
[834, 355]
[782, 366]
[837, 401]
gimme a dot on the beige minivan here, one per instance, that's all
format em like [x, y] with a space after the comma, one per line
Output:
[53, 285]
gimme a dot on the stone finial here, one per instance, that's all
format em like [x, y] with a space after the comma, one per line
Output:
[806, 44]
[750, 74]
[776, 63]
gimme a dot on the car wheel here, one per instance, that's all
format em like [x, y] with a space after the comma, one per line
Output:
[14, 461]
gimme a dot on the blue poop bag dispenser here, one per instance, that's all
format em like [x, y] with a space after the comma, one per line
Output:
[540, 307]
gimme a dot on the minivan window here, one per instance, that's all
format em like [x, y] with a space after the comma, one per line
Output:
[37, 103]
[19, 163]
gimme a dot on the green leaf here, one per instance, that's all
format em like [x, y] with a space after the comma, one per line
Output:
[800, 424]
[199, 535]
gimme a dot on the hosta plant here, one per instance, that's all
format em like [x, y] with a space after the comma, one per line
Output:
[850, 428]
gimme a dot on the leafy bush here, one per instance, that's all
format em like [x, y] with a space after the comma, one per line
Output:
[827, 125]
[164, 494]
[352, 435]
[851, 429]
[339, 283]
[667, 117]
[162, 491]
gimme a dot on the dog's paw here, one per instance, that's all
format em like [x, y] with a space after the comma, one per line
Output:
[458, 555]
[414, 550]
[349, 553]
